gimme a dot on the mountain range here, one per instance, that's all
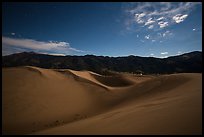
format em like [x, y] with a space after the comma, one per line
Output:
[185, 63]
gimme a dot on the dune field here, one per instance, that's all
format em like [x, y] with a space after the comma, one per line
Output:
[63, 101]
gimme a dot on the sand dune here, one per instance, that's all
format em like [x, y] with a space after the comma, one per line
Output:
[116, 81]
[45, 101]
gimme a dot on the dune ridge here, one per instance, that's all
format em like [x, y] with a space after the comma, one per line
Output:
[63, 101]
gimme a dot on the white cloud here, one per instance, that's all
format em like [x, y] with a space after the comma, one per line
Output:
[141, 15]
[55, 54]
[194, 29]
[137, 36]
[163, 56]
[149, 21]
[179, 53]
[138, 18]
[147, 37]
[153, 40]
[162, 24]
[179, 18]
[167, 13]
[151, 27]
[164, 53]
[57, 47]
[13, 33]
[161, 18]
[140, 21]
[152, 54]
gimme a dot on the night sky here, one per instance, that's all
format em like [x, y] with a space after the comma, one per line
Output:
[102, 28]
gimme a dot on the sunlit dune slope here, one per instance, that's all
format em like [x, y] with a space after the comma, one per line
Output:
[45, 101]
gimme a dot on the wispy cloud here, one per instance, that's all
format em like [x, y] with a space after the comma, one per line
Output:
[151, 27]
[167, 33]
[40, 46]
[159, 14]
[179, 53]
[164, 53]
[159, 37]
[147, 37]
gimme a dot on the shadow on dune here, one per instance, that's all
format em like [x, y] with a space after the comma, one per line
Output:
[113, 81]
[155, 86]
[80, 79]
[33, 69]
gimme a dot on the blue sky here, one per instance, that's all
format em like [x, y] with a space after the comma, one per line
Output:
[102, 28]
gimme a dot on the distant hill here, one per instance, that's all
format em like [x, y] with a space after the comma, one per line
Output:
[188, 62]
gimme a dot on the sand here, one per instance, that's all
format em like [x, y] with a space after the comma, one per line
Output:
[48, 101]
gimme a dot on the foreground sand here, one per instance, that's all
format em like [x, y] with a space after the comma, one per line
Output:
[45, 101]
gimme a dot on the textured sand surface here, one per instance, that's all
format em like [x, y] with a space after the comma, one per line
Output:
[45, 101]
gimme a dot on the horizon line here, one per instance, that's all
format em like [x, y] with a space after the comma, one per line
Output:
[62, 55]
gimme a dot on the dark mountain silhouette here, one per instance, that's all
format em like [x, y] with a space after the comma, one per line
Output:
[188, 62]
